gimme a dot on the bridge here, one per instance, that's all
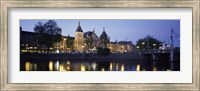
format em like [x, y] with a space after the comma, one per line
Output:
[157, 55]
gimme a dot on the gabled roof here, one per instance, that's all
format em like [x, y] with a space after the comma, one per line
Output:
[86, 34]
[89, 33]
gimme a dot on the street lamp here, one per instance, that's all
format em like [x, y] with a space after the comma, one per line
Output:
[138, 47]
[143, 45]
[154, 45]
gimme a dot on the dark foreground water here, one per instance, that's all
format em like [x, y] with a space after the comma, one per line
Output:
[98, 65]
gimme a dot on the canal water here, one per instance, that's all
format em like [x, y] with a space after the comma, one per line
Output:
[98, 65]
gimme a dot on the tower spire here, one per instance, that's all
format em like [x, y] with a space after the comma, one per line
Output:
[103, 28]
[79, 23]
[79, 29]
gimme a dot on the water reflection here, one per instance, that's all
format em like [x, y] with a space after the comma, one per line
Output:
[122, 67]
[111, 67]
[138, 67]
[83, 65]
[102, 69]
[154, 68]
[94, 66]
[117, 66]
[30, 66]
[50, 65]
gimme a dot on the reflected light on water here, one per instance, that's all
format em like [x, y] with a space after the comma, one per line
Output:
[168, 70]
[27, 66]
[154, 68]
[82, 67]
[138, 67]
[57, 65]
[94, 66]
[117, 67]
[35, 67]
[68, 68]
[61, 67]
[102, 69]
[143, 69]
[111, 66]
[50, 65]
[89, 68]
[122, 67]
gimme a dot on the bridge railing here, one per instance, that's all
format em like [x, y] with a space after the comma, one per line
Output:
[154, 51]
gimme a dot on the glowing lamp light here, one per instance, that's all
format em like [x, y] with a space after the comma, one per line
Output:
[68, 62]
[57, 51]
[143, 43]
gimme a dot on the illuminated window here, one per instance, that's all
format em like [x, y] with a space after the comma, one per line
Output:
[24, 50]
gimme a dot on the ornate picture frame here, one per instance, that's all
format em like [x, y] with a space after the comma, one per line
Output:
[7, 4]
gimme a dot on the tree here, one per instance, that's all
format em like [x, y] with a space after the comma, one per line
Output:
[39, 29]
[147, 43]
[49, 34]
[104, 39]
[70, 42]
[89, 42]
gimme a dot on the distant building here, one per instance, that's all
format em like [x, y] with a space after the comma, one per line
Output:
[121, 47]
[28, 41]
[62, 45]
[95, 41]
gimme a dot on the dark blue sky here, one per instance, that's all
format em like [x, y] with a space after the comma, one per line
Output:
[120, 30]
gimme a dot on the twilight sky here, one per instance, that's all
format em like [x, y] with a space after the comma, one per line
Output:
[117, 29]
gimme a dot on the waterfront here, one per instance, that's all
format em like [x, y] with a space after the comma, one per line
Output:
[98, 65]
[46, 47]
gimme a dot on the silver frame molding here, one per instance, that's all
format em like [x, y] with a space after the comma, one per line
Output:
[6, 4]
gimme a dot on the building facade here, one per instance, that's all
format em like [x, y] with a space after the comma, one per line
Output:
[121, 47]
[82, 42]
[79, 41]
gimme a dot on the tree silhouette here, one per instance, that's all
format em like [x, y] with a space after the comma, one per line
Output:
[147, 43]
[49, 34]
